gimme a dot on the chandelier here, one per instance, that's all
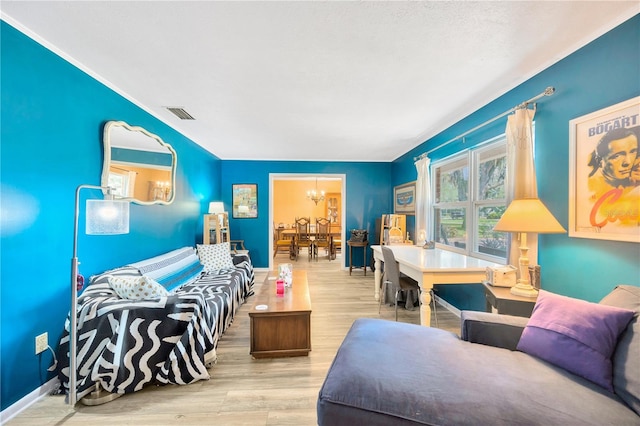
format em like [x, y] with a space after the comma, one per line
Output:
[312, 194]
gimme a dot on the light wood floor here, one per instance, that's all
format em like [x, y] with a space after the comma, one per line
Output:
[244, 391]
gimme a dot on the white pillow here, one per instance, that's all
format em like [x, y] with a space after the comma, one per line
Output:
[137, 288]
[215, 256]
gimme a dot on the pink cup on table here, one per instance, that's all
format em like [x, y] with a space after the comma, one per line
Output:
[280, 287]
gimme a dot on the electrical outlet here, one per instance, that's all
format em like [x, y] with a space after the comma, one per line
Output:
[42, 341]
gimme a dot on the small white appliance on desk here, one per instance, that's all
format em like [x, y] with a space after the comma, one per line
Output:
[502, 276]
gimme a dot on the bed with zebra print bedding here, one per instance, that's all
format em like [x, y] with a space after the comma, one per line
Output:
[124, 344]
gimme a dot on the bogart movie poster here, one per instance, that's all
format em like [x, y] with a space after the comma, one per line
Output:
[605, 173]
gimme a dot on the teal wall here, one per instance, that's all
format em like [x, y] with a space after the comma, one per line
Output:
[51, 124]
[368, 196]
[603, 73]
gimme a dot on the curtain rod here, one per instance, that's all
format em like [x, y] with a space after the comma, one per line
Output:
[124, 170]
[547, 92]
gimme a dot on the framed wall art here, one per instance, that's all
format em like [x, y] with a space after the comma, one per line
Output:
[604, 173]
[404, 198]
[245, 200]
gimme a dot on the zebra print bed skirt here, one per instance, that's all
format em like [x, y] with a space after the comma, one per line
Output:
[124, 345]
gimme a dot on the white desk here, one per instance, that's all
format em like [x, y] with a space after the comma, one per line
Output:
[429, 267]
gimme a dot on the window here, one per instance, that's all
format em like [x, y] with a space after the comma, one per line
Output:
[123, 183]
[469, 199]
[118, 181]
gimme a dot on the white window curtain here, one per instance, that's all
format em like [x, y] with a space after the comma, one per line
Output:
[521, 182]
[423, 201]
[131, 190]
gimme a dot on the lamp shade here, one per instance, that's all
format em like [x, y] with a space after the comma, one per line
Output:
[528, 215]
[107, 217]
[216, 207]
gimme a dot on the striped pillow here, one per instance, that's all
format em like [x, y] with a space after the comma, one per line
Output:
[173, 269]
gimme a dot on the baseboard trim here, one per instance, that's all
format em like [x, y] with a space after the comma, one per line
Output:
[28, 400]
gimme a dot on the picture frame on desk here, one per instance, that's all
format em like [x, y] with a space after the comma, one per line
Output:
[245, 200]
[404, 198]
[604, 173]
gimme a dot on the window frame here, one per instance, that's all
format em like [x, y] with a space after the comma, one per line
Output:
[472, 159]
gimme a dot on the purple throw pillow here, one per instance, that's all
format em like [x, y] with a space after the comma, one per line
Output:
[576, 335]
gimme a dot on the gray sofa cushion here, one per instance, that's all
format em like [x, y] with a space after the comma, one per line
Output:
[626, 358]
[394, 373]
[501, 331]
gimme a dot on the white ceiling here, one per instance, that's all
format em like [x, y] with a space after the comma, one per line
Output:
[338, 81]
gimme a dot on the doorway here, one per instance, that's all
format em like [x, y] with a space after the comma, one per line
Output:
[288, 199]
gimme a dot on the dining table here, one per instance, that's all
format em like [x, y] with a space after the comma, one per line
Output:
[290, 233]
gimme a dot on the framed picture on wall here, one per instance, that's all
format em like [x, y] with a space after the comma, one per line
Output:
[245, 200]
[404, 198]
[604, 173]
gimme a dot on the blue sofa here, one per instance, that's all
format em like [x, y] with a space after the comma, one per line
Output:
[388, 373]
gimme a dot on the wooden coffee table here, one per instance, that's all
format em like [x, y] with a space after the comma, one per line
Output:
[283, 328]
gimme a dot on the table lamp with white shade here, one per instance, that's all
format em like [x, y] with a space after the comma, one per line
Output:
[522, 216]
[216, 207]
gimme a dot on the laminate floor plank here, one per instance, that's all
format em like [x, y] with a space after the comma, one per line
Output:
[243, 390]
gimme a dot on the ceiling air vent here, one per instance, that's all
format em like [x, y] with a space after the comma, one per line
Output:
[180, 113]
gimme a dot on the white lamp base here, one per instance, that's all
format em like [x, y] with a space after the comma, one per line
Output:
[524, 290]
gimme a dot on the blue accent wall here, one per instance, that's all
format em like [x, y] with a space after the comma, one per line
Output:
[603, 73]
[368, 196]
[52, 120]
[52, 115]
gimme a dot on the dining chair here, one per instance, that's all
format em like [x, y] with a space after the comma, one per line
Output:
[302, 239]
[336, 243]
[279, 243]
[323, 237]
[400, 282]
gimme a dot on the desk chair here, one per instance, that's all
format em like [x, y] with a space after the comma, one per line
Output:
[323, 238]
[399, 282]
[302, 238]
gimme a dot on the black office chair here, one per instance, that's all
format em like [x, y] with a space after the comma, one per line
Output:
[399, 282]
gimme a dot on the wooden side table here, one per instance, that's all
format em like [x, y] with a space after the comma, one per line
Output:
[506, 303]
[364, 245]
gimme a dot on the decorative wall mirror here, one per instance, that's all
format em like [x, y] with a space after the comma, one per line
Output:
[139, 165]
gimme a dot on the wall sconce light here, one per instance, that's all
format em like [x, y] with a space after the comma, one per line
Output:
[160, 190]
